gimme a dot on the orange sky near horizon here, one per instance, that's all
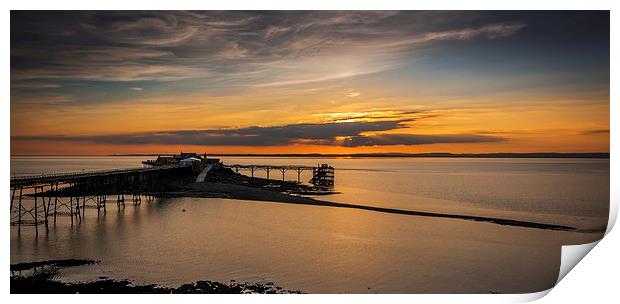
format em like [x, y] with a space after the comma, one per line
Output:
[561, 127]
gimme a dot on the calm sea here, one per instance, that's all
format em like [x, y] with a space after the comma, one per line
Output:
[325, 249]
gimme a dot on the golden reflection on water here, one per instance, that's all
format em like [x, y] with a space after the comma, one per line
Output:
[317, 249]
[326, 249]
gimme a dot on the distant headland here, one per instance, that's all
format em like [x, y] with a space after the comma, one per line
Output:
[369, 155]
[435, 154]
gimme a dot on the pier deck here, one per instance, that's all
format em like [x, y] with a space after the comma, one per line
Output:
[44, 179]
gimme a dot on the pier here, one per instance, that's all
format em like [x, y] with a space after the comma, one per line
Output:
[322, 175]
[40, 199]
[35, 200]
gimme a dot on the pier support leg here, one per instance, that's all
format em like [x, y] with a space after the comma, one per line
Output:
[137, 200]
[120, 200]
[46, 208]
[19, 211]
[71, 209]
[12, 198]
[36, 213]
[55, 205]
[98, 201]
[78, 214]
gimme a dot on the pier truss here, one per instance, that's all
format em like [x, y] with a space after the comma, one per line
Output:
[322, 175]
[37, 200]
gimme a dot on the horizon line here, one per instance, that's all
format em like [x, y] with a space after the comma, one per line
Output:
[362, 155]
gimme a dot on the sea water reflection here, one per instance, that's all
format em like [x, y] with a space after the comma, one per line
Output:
[324, 249]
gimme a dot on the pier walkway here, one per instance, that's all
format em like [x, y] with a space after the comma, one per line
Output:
[203, 174]
[44, 179]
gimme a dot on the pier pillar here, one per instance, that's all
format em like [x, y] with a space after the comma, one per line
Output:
[55, 203]
[46, 207]
[36, 213]
[78, 214]
[71, 208]
[82, 208]
[137, 200]
[12, 198]
[19, 211]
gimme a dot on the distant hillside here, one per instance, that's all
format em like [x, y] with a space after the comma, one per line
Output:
[464, 155]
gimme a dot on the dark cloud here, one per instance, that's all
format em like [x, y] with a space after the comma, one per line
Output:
[595, 132]
[317, 134]
[416, 139]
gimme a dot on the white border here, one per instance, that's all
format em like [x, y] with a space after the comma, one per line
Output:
[593, 279]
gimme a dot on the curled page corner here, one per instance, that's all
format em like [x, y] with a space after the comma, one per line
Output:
[571, 255]
[531, 297]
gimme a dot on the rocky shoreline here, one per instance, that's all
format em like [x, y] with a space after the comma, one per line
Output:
[40, 278]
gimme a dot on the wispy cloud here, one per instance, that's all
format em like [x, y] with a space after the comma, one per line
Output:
[375, 115]
[45, 99]
[311, 80]
[492, 31]
[35, 86]
[262, 49]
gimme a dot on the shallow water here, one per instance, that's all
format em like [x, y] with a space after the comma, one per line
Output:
[326, 249]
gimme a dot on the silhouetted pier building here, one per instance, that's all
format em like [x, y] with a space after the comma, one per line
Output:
[196, 161]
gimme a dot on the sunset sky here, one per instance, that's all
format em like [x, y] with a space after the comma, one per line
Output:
[309, 82]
